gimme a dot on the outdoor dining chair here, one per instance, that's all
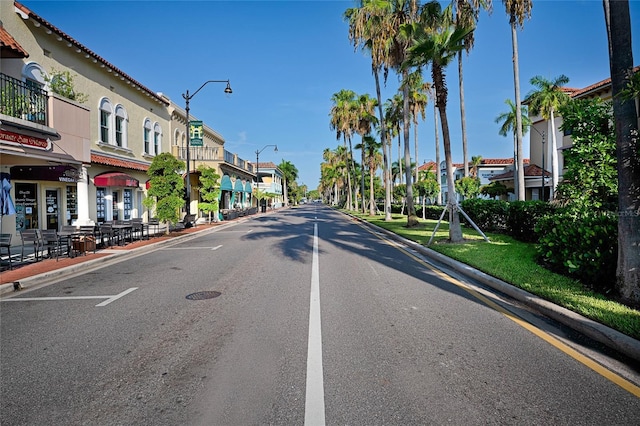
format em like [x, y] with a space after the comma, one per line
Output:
[31, 237]
[52, 242]
[107, 231]
[5, 243]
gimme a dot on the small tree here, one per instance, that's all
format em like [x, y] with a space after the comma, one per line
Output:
[209, 191]
[166, 191]
[61, 82]
[259, 195]
[468, 187]
[591, 178]
[427, 187]
[495, 190]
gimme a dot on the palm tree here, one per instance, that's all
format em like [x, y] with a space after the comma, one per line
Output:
[367, 29]
[518, 10]
[624, 111]
[508, 120]
[399, 13]
[467, 14]
[290, 174]
[393, 117]
[365, 119]
[438, 45]
[372, 158]
[342, 122]
[418, 90]
[475, 162]
[545, 101]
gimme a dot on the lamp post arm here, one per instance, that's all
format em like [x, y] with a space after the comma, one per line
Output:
[187, 96]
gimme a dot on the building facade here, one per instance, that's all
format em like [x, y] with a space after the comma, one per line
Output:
[82, 157]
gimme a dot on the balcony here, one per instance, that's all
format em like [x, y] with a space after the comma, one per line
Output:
[203, 154]
[22, 100]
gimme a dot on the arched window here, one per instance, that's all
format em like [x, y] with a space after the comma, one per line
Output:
[157, 138]
[121, 126]
[147, 136]
[33, 74]
[106, 112]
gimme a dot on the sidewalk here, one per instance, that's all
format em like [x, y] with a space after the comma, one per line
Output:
[31, 273]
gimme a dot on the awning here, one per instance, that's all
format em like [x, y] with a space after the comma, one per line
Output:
[238, 187]
[247, 187]
[115, 179]
[225, 183]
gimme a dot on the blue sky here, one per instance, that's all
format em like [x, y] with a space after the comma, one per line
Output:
[285, 59]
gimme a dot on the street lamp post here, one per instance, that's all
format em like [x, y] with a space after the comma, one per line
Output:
[275, 149]
[187, 97]
[542, 197]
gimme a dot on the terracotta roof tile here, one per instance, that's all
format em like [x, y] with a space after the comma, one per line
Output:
[9, 47]
[530, 170]
[118, 162]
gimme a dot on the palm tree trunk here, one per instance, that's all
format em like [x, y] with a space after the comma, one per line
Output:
[516, 82]
[362, 170]
[412, 220]
[463, 120]
[554, 156]
[618, 24]
[385, 157]
[437, 138]
[349, 188]
[415, 142]
[372, 198]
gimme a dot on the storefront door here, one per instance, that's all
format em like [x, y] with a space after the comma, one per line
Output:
[52, 199]
[115, 209]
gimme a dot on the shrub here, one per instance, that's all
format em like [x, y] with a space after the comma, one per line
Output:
[433, 212]
[488, 215]
[582, 244]
[523, 217]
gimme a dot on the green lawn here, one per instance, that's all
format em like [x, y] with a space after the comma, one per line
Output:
[513, 261]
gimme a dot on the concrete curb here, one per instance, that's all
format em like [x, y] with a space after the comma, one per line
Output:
[600, 333]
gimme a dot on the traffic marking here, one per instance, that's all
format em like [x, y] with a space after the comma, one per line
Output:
[108, 300]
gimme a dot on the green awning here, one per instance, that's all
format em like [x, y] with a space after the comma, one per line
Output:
[225, 183]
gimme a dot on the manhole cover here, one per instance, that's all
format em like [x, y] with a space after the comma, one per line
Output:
[201, 295]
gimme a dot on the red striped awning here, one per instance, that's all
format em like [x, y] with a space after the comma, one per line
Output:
[115, 179]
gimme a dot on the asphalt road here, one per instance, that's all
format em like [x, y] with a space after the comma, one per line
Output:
[301, 317]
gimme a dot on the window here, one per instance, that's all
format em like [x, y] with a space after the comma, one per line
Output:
[147, 136]
[127, 203]
[100, 204]
[105, 120]
[157, 138]
[121, 126]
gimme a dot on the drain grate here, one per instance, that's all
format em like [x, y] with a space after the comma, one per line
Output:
[202, 295]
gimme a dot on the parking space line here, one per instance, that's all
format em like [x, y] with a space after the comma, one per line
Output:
[56, 298]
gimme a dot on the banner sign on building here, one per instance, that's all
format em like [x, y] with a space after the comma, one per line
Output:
[24, 140]
[49, 173]
[196, 133]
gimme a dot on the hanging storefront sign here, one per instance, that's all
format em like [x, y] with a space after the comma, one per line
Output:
[196, 133]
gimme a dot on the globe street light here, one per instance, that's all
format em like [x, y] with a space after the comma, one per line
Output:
[187, 97]
[275, 149]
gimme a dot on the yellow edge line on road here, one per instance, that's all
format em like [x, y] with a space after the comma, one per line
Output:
[608, 374]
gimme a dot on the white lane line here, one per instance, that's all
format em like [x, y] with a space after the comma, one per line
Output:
[40, 299]
[117, 296]
[249, 231]
[216, 247]
[314, 400]
[191, 248]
